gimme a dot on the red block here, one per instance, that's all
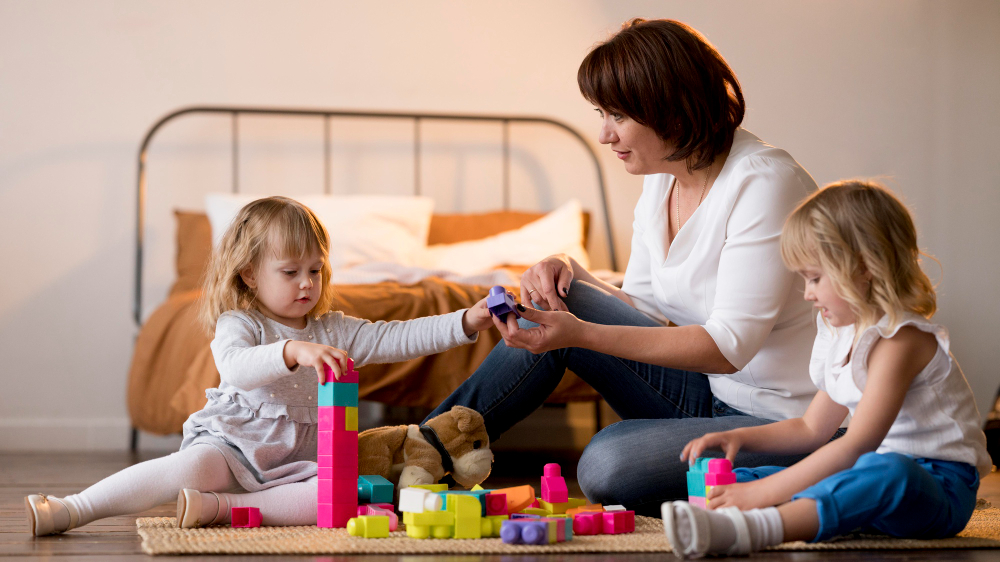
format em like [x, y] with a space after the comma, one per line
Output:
[347, 375]
[496, 504]
[616, 522]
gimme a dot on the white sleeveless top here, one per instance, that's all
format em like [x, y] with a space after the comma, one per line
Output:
[938, 419]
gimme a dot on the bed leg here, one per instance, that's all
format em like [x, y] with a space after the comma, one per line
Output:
[134, 441]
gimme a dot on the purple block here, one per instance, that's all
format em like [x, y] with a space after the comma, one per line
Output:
[500, 302]
[524, 532]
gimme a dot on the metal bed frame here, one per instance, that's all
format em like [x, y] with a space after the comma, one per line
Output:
[327, 115]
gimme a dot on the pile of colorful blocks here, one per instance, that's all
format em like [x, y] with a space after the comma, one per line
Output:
[704, 474]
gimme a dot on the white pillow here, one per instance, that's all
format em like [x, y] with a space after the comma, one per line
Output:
[363, 228]
[560, 231]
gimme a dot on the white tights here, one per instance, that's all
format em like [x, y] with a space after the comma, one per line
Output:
[201, 467]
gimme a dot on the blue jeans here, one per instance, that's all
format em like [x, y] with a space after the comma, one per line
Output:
[635, 462]
[892, 494]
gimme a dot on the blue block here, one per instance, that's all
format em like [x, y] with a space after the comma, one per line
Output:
[374, 489]
[338, 394]
[696, 477]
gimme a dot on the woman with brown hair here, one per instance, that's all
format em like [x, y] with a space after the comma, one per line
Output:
[709, 331]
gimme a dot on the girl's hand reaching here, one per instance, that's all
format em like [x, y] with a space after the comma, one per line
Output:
[316, 356]
[477, 318]
[743, 495]
[728, 441]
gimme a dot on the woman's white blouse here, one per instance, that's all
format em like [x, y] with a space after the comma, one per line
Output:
[724, 272]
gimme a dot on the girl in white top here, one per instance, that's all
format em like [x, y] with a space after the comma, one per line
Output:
[267, 299]
[910, 462]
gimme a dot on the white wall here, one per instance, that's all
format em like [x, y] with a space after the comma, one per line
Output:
[851, 88]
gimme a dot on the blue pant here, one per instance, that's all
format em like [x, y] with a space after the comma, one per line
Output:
[635, 462]
[891, 494]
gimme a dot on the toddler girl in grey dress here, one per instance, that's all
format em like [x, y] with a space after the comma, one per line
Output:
[267, 297]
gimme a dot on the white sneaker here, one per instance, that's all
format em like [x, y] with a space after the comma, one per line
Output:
[43, 511]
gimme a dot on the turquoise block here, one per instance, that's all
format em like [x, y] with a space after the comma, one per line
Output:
[374, 489]
[338, 394]
[696, 477]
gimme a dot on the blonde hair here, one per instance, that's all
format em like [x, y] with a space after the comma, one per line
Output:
[855, 227]
[279, 225]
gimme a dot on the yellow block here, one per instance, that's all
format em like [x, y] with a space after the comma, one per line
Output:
[369, 526]
[351, 418]
[432, 487]
[477, 487]
[534, 511]
[429, 523]
[562, 506]
[491, 525]
[467, 510]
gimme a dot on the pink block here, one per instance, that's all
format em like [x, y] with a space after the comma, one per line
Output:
[588, 523]
[616, 522]
[326, 414]
[334, 515]
[324, 515]
[245, 517]
[385, 506]
[554, 485]
[720, 473]
[373, 509]
[347, 458]
[340, 419]
[496, 504]
[560, 523]
[348, 375]
[339, 490]
[698, 501]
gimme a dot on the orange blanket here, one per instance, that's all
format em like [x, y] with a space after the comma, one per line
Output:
[172, 364]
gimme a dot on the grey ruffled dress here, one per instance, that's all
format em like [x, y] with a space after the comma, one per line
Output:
[263, 416]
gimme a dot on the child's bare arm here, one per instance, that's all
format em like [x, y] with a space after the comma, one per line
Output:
[789, 437]
[892, 366]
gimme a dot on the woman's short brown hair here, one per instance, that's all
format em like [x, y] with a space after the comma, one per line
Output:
[665, 75]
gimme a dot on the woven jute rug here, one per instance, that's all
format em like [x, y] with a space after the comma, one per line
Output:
[159, 536]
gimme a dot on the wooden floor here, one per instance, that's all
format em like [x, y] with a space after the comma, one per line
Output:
[115, 539]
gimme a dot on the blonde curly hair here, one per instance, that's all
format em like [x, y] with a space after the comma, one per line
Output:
[856, 227]
[279, 225]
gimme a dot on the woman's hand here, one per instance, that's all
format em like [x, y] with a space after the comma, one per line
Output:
[316, 356]
[477, 318]
[728, 441]
[744, 495]
[555, 330]
[547, 282]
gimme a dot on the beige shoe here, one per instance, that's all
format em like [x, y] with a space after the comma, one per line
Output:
[42, 512]
[189, 510]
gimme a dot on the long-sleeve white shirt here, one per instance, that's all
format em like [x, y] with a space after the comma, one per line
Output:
[723, 271]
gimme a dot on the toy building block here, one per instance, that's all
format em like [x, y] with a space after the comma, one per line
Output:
[480, 496]
[491, 525]
[347, 375]
[590, 523]
[562, 507]
[696, 482]
[500, 302]
[477, 488]
[374, 489]
[437, 524]
[588, 508]
[337, 451]
[369, 526]
[617, 522]
[419, 500]
[379, 509]
[553, 484]
[614, 508]
[431, 487]
[720, 473]
[560, 529]
[467, 510]
[524, 531]
[524, 516]
[245, 517]
[536, 511]
[518, 497]
[496, 504]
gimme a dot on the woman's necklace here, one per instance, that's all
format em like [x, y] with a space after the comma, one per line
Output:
[677, 196]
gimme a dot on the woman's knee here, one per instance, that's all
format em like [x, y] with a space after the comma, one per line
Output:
[603, 465]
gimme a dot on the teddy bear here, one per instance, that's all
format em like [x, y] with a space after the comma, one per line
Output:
[454, 442]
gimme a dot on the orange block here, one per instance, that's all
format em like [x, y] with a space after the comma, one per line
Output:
[590, 507]
[518, 497]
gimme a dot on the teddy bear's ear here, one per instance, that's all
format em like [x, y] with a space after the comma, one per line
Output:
[466, 419]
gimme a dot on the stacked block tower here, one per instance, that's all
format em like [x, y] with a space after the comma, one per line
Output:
[337, 449]
[704, 474]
